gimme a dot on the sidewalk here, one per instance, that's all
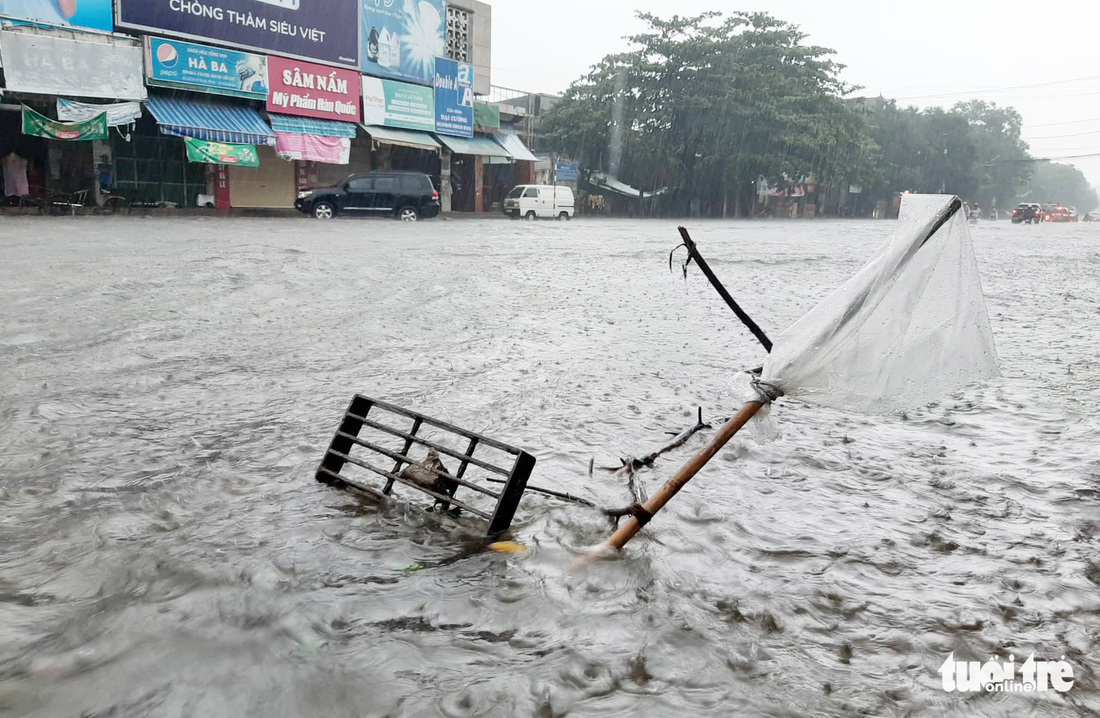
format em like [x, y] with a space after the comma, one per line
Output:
[203, 212]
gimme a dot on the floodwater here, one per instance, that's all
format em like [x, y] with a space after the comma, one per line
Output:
[170, 385]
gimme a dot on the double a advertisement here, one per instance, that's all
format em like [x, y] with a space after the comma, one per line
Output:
[322, 30]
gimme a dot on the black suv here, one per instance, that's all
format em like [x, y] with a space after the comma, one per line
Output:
[407, 196]
[1027, 213]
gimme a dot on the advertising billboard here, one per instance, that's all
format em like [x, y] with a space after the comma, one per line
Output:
[58, 66]
[186, 65]
[308, 90]
[398, 104]
[90, 14]
[402, 38]
[322, 30]
[454, 98]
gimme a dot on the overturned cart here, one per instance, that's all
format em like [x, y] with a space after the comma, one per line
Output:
[910, 328]
[488, 485]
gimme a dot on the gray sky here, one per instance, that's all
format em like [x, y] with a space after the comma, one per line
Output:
[1044, 60]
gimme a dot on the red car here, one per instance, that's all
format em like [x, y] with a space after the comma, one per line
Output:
[1061, 213]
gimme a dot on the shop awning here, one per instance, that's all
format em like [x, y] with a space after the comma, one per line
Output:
[311, 126]
[405, 138]
[476, 145]
[511, 142]
[208, 121]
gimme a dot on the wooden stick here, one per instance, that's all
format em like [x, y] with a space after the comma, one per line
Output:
[687, 472]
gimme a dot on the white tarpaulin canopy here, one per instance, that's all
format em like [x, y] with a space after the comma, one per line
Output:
[610, 183]
[909, 328]
[118, 114]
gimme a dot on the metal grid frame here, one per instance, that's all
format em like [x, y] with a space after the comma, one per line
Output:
[347, 439]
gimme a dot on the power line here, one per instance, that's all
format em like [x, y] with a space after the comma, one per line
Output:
[1059, 137]
[1067, 122]
[1000, 89]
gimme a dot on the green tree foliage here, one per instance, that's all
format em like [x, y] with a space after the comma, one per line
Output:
[1061, 184]
[707, 105]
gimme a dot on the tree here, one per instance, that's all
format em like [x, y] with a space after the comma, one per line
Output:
[1061, 184]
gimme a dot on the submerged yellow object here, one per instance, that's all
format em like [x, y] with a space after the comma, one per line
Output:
[509, 547]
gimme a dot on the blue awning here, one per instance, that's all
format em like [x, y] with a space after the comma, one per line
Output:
[311, 126]
[209, 121]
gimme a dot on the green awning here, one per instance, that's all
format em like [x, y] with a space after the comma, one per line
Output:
[476, 145]
[404, 138]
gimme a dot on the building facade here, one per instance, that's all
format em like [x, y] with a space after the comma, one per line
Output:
[234, 104]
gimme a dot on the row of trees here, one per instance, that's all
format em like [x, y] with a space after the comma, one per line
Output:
[708, 105]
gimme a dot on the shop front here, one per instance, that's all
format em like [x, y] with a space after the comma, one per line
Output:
[244, 169]
[468, 160]
[46, 153]
[399, 119]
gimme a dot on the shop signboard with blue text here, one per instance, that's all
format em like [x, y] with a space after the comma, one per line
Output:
[402, 38]
[454, 98]
[323, 30]
[77, 14]
[398, 104]
[190, 66]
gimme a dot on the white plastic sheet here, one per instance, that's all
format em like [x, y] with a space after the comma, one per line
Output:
[911, 327]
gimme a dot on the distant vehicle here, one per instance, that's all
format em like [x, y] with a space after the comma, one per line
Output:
[1060, 213]
[1027, 213]
[408, 196]
[1092, 217]
[532, 201]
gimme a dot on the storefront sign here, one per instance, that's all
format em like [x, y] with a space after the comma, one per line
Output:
[313, 148]
[454, 98]
[100, 66]
[308, 90]
[398, 104]
[119, 113]
[42, 126]
[91, 14]
[567, 172]
[173, 63]
[401, 39]
[486, 116]
[324, 30]
[221, 153]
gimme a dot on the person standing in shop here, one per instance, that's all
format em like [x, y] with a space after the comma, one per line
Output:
[56, 12]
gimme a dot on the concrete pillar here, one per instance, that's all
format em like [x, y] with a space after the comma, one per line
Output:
[445, 180]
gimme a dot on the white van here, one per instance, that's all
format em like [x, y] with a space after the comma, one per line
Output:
[531, 201]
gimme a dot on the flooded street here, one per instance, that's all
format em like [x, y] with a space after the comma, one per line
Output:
[170, 385]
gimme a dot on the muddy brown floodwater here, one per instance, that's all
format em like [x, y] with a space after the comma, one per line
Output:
[169, 386]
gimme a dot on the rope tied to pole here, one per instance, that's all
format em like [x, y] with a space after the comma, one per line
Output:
[766, 391]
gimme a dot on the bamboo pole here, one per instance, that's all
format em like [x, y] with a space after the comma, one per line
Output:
[687, 472]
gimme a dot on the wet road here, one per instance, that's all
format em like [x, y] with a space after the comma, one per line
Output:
[170, 385]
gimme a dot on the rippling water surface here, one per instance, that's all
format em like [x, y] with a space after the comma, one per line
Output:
[169, 387]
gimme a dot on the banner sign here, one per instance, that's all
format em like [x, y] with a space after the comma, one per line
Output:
[102, 66]
[486, 116]
[398, 104]
[173, 63]
[567, 172]
[120, 113]
[324, 30]
[313, 148]
[91, 14]
[401, 39]
[454, 98]
[221, 153]
[308, 90]
[41, 126]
